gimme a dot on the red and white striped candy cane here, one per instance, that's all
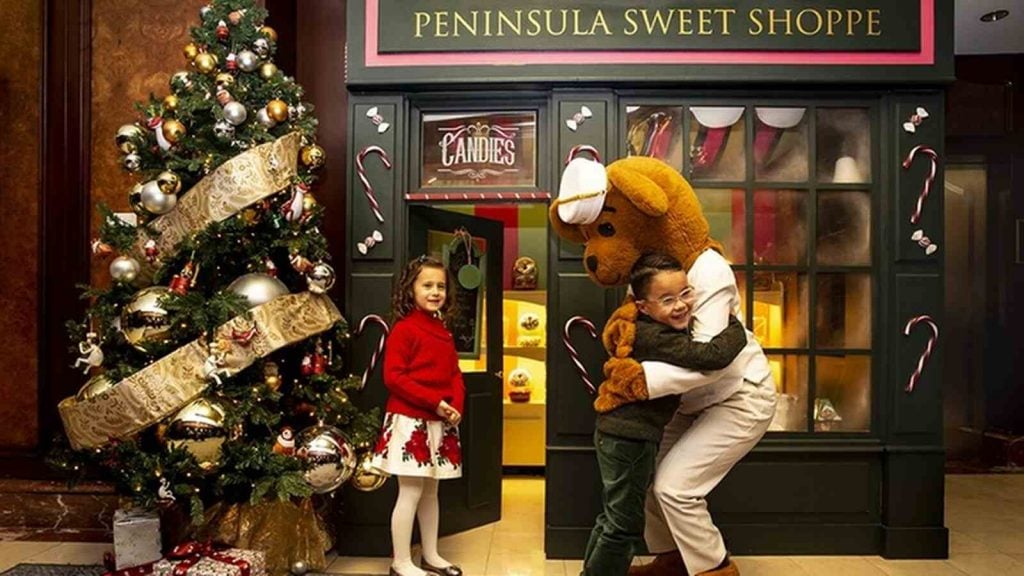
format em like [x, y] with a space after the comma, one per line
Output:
[927, 349]
[927, 188]
[573, 354]
[374, 319]
[575, 151]
[367, 187]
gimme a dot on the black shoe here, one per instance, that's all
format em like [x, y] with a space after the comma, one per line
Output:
[452, 570]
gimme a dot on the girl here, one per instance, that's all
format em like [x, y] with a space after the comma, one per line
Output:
[419, 442]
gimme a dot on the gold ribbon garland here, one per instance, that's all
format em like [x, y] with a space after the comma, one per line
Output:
[165, 386]
[241, 181]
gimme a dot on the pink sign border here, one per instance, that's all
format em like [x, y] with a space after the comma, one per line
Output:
[924, 57]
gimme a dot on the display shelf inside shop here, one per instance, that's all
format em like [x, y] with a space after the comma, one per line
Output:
[535, 296]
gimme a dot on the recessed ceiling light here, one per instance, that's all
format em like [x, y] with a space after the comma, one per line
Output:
[995, 15]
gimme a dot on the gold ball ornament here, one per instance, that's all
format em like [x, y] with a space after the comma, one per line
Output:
[199, 428]
[96, 386]
[171, 102]
[128, 137]
[235, 17]
[173, 130]
[314, 156]
[268, 70]
[191, 51]
[206, 62]
[269, 32]
[143, 320]
[224, 79]
[330, 456]
[309, 202]
[366, 478]
[278, 110]
[168, 182]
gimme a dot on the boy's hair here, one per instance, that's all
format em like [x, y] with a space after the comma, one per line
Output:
[646, 267]
[402, 301]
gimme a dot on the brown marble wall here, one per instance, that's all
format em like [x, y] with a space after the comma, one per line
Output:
[20, 64]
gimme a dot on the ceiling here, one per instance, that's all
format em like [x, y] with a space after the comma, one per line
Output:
[976, 37]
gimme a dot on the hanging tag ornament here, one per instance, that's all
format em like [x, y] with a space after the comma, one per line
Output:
[469, 274]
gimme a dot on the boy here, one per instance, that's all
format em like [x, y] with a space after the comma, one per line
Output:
[626, 439]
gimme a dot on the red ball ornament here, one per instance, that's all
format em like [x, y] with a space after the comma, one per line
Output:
[222, 31]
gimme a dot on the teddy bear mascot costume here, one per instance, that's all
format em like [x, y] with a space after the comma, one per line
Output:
[636, 206]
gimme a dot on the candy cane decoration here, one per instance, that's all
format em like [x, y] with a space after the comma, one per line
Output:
[928, 179]
[573, 354]
[927, 349]
[575, 151]
[374, 319]
[367, 187]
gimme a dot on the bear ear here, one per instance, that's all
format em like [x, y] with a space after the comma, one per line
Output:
[630, 176]
[571, 232]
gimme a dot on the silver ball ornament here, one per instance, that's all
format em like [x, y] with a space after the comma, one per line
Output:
[321, 278]
[261, 47]
[330, 457]
[132, 162]
[248, 60]
[263, 117]
[224, 130]
[235, 113]
[128, 138]
[199, 428]
[156, 201]
[366, 478]
[299, 568]
[143, 320]
[258, 288]
[125, 269]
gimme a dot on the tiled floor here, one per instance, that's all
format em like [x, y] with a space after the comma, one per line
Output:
[985, 515]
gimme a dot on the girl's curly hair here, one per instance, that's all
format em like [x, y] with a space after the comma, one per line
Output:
[402, 300]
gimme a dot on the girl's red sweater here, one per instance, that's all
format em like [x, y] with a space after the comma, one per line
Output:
[421, 367]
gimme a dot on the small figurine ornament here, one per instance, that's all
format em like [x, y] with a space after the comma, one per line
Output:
[164, 493]
[213, 367]
[151, 251]
[524, 274]
[285, 444]
[92, 354]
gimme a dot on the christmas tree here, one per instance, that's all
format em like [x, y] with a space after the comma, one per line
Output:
[214, 354]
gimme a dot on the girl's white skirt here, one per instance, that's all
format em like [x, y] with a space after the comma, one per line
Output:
[410, 446]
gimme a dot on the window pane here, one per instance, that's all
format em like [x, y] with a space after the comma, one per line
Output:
[656, 131]
[727, 216]
[844, 229]
[479, 150]
[844, 145]
[718, 143]
[780, 144]
[790, 374]
[780, 227]
[780, 309]
[843, 317]
[843, 402]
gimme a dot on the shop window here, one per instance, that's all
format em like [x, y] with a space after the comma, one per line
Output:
[843, 393]
[656, 131]
[780, 309]
[790, 372]
[718, 143]
[780, 227]
[726, 211]
[844, 145]
[780, 144]
[843, 312]
[844, 229]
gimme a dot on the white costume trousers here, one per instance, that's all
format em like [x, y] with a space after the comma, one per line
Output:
[697, 450]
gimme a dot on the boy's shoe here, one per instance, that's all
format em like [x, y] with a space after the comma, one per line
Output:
[665, 564]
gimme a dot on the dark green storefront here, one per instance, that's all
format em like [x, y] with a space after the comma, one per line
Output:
[792, 125]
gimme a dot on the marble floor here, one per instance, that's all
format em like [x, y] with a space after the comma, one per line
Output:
[985, 515]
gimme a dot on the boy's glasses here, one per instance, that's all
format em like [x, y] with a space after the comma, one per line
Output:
[686, 297]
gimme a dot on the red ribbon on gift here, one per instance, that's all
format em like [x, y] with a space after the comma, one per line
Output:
[187, 555]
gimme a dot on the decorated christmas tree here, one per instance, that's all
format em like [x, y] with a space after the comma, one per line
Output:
[213, 358]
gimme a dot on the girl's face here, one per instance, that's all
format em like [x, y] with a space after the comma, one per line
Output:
[430, 289]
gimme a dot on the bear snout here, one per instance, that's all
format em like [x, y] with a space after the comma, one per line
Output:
[592, 263]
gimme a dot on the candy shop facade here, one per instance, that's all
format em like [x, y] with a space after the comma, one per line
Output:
[811, 134]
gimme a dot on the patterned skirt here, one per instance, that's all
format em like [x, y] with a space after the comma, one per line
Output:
[410, 446]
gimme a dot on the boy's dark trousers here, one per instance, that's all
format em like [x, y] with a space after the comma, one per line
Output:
[627, 467]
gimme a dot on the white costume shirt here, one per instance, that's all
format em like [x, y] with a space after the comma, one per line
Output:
[717, 298]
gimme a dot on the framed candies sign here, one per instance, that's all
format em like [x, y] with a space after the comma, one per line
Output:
[477, 156]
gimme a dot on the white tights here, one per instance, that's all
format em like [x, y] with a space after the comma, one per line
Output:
[417, 498]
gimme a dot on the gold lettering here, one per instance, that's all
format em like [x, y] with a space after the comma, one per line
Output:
[800, 22]
[685, 21]
[630, 15]
[516, 26]
[565, 22]
[754, 15]
[422, 20]
[850, 22]
[599, 21]
[440, 22]
[704, 17]
[874, 22]
[459, 18]
[772, 20]
[535, 28]
[726, 13]
[659, 20]
[834, 17]
[576, 31]
[487, 23]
